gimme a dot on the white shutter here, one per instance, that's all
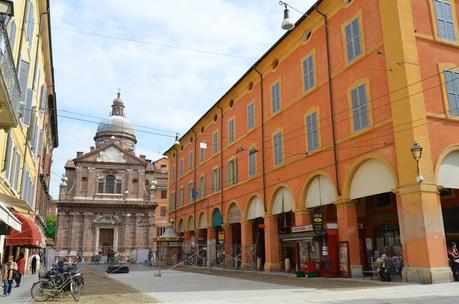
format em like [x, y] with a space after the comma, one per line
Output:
[12, 33]
[28, 108]
[9, 148]
[30, 23]
[23, 78]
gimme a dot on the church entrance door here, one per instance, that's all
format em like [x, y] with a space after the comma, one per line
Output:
[106, 239]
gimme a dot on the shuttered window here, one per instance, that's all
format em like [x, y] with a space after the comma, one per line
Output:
[275, 98]
[23, 79]
[360, 108]
[252, 162]
[12, 33]
[215, 142]
[353, 40]
[201, 154]
[250, 116]
[190, 161]
[452, 88]
[16, 168]
[445, 21]
[308, 73]
[30, 23]
[44, 97]
[181, 167]
[278, 154]
[9, 153]
[231, 131]
[231, 172]
[312, 131]
[28, 108]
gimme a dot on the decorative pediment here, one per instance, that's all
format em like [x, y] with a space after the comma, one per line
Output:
[107, 219]
[111, 155]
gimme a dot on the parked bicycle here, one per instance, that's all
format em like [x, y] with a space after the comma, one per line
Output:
[57, 281]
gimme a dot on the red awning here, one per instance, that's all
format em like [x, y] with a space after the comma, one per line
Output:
[30, 236]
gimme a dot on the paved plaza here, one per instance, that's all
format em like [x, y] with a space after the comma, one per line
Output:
[142, 285]
[188, 287]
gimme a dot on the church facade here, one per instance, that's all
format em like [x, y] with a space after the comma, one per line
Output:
[111, 198]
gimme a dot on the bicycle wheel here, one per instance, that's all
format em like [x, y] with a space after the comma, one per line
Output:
[38, 291]
[75, 290]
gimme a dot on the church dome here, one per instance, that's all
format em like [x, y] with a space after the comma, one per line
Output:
[116, 124]
[116, 128]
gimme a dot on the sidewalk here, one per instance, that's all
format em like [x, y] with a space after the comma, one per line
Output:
[22, 293]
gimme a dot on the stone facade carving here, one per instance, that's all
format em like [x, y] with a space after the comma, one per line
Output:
[111, 155]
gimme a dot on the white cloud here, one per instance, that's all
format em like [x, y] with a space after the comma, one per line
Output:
[162, 87]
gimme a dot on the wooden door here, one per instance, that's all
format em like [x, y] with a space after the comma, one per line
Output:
[106, 240]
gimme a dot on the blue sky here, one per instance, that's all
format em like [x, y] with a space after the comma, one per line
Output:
[163, 88]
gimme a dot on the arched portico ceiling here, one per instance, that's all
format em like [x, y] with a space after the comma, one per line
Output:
[216, 218]
[320, 192]
[191, 224]
[372, 177]
[448, 175]
[181, 226]
[203, 221]
[283, 201]
[255, 208]
[234, 214]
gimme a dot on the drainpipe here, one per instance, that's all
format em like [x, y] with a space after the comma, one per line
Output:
[330, 90]
[194, 181]
[263, 174]
[21, 36]
[221, 161]
[176, 189]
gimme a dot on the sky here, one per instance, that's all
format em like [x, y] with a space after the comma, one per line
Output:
[172, 60]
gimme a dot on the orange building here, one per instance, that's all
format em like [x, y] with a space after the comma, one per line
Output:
[322, 128]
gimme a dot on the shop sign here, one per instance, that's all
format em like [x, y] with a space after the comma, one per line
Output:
[318, 223]
[301, 228]
[344, 264]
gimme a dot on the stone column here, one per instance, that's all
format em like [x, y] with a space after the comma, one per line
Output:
[211, 245]
[228, 244]
[60, 231]
[348, 231]
[303, 217]
[271, 244]
[88, 242]
[151, 229]
[127, 233]
[247, 245]
[419, 209]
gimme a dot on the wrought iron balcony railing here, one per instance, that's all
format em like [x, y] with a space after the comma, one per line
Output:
[9, 85]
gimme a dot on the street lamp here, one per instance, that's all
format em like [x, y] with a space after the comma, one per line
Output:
[416, 151]
[6, 8]
[287, 23]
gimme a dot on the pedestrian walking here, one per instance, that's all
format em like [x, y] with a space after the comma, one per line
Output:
[8, 272]
[453, 255]
[35, 261]
[21, 269]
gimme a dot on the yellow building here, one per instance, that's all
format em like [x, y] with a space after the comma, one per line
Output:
[28, 124]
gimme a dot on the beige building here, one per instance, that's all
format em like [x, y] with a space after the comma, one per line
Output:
[110, 197]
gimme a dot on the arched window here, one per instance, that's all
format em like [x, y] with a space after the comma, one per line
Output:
[110, 184]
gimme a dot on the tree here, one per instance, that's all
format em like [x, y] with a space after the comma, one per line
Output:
[51, 220]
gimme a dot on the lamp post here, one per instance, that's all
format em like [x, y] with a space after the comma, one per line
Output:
[416, 151]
